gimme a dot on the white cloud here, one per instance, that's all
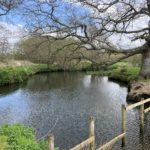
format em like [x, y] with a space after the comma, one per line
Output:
[126, 40]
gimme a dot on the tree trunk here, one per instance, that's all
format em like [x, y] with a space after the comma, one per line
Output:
[145, 68]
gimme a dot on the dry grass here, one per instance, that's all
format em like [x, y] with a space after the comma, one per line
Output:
[14, 63]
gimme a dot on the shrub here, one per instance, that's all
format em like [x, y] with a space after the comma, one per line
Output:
[19, 137]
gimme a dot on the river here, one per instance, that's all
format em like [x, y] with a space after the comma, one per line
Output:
[62, 104]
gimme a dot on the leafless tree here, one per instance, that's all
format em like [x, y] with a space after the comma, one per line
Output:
[4, 45]
[95, 24]
[7, 5]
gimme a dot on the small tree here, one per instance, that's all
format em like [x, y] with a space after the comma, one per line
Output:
[47, 50]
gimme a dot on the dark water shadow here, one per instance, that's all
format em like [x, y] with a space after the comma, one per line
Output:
[8, 89]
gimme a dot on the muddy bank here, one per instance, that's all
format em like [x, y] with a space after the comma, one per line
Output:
[138, 90]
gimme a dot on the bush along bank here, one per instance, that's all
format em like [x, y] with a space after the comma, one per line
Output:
[122, 71]
[10, 75]
[19, 137]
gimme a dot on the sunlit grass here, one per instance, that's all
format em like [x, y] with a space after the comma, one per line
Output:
[121, 71]
[9, 75]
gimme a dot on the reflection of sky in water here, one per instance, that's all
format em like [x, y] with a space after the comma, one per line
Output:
[87, 81]
[70, 99]
[13, 110]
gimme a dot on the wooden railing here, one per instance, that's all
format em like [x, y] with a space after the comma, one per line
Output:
[109, 144]
[142, 112]
[85, 143]
[91, 140]
[142, 102]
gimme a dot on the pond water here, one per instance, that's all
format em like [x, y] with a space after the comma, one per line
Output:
[61, 103]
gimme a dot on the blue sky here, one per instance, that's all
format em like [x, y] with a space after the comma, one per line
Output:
[14, 21]
[62, 11]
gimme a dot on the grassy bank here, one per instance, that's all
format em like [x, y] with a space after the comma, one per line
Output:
[18, 71]
[122, 71]
[10, 75]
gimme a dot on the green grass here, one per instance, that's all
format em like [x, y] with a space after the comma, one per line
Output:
[10, 75]
[19, 137]
[3, 143]
[18, 74]
[121, 71]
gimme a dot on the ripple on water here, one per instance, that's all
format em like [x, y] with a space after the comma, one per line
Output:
[63, 102]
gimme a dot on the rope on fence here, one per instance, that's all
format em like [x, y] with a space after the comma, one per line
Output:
[49, 130]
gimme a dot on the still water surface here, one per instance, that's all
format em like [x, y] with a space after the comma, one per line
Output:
[63, 102]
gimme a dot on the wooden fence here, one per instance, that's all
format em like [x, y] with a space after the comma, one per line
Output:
[109, 144]
[142, 112]
[91, 140]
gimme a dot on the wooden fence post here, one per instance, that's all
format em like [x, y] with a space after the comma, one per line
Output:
[123, 123]
[92, 132]
[142, 117]
[50, 142]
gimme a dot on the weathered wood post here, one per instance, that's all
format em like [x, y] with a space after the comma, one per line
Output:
[50, 142]
[92, 132]
[142, 117]
[123, 123]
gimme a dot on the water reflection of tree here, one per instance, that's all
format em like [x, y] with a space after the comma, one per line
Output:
[47, 81]
[8, 89]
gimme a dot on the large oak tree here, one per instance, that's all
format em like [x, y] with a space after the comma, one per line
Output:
[96, 24]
